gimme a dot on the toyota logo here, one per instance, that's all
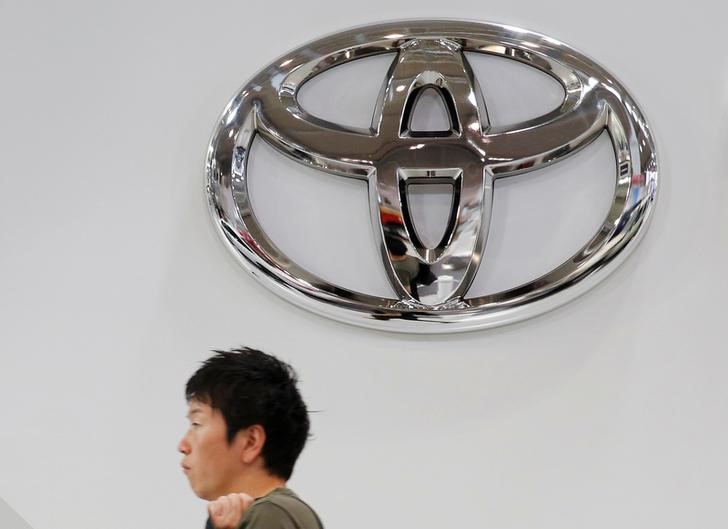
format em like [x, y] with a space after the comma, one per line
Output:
[432, 282]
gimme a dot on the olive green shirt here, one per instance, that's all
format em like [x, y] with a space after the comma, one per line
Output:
[280, 509]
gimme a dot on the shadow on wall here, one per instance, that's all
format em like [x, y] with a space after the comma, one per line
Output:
[9, 519]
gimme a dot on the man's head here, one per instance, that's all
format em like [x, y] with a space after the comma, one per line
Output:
[246, 417]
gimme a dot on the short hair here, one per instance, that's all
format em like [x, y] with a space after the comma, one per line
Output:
[251, 387]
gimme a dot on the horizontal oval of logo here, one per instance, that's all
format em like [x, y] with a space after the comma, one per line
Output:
[431, 282]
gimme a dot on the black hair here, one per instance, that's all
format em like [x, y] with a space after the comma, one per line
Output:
[251, 387]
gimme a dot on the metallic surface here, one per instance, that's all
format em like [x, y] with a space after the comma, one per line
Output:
[432, 282]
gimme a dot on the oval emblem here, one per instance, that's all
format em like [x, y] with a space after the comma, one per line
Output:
[431, 282]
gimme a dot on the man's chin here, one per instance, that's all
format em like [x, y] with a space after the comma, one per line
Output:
[199, 492]
[204, 494]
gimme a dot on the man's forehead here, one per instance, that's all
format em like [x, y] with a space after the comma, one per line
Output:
[196, 407]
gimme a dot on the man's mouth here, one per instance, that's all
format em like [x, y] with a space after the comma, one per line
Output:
[185, 468]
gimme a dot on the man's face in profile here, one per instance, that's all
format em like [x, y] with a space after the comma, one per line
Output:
[210, 462]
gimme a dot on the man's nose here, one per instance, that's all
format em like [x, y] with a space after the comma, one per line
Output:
[184, 446]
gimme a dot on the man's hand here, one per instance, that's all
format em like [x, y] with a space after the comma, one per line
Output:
[226, 512]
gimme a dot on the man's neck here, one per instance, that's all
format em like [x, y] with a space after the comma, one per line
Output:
[256, 483]
[262, 487]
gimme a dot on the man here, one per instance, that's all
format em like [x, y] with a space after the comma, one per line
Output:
[248, 425]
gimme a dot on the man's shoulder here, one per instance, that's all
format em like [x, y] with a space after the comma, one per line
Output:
[282, 497]
[283, 509]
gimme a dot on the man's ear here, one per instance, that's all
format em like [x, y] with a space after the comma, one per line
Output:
[250, 440]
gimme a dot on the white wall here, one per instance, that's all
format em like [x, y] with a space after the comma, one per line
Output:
[608, 412]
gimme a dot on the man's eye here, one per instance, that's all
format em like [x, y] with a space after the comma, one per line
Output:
[196, 424]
